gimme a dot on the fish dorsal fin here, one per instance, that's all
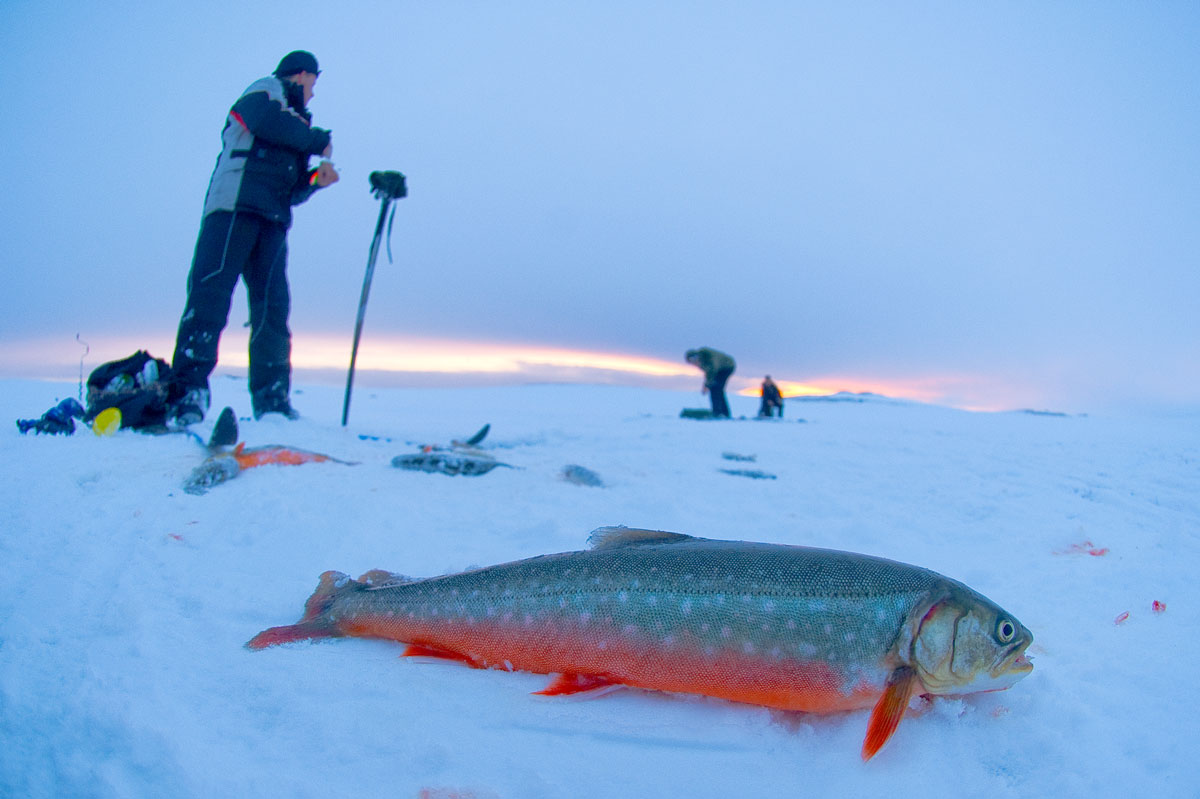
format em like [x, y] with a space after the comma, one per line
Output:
[381, 578]
[622, 536]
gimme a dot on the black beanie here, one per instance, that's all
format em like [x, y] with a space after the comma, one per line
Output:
[297, 61]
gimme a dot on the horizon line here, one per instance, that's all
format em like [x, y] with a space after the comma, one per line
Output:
[423, 362]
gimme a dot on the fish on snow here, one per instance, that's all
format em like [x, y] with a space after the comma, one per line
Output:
[790, 627]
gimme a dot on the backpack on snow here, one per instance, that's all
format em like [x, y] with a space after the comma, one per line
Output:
[137, 386]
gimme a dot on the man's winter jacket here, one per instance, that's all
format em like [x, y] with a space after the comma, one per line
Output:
[267, 141]
[712, 362]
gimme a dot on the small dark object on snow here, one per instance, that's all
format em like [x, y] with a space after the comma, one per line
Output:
[225, 431]
[696, 413]
[451, 463]
[59, 419]
[733, 456]
[755, 474]
[581, 476]
[137, 386]
[479, 436]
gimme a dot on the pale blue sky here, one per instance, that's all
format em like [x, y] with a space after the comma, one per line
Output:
[1001, 194]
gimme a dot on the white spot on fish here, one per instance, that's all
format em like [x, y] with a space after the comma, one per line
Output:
[508, 666]
[528, 620]
[669, 640]
[602, 645]
[651, 599]
[848, 637]
[710, 650]
[769, 606]
[622, 596]
[686, 606]
[585, 617]
[391, 613]
[791, 624]
[629, 629]
[748, 647]
[726, 632]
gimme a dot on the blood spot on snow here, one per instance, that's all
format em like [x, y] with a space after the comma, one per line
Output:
[1081, 548]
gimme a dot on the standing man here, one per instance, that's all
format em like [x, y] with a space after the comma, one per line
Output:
[717, 368]
[261, 173]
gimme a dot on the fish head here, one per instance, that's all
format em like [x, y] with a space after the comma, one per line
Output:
[965, 644]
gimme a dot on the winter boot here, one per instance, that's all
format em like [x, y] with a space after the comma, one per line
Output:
[191, 407]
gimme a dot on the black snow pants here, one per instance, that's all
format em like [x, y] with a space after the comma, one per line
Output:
[233, 245]
[716, 392]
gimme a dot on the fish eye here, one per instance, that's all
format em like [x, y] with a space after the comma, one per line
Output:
[1005, 631]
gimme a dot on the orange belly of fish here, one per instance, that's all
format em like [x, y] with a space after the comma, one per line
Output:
[681, 666]
[248, 459]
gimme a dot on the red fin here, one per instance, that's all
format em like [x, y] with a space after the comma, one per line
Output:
[427, 651]
[565, 684]
[293, 632]
[313, 624]
[889, 710]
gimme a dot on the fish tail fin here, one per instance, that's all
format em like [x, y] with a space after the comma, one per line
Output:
[889, 710]
[315, 622]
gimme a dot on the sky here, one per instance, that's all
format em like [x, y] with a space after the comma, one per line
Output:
[988, 206]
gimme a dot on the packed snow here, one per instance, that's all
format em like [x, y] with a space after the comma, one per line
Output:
[127, 602]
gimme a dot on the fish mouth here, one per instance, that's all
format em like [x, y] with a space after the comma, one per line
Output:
[1017, 664]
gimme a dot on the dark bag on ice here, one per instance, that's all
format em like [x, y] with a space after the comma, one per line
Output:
[136, 386]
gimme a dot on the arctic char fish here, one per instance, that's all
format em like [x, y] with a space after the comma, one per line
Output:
[789, 627]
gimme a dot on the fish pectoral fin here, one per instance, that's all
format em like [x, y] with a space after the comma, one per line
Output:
[889, 710]
[428, 651]
[568, 684]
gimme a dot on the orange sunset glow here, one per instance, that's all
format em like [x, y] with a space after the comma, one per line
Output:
[413, 361]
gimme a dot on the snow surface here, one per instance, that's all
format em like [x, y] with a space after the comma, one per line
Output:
[127, 602]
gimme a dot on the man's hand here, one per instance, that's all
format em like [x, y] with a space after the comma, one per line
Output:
[326, 174]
